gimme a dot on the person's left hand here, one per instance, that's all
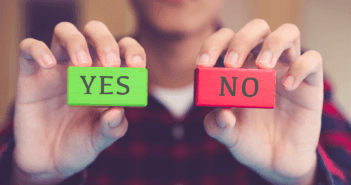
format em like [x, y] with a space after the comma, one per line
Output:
[279, 144]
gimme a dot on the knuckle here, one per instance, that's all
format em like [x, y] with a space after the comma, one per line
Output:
[36, 45]
[217, 40]
[265, 25]
[95, 23]
[227, 30]
[292, 27]
[261, 22]
[126, 40]
[39, 44]
[131, 45]
[92, 25]
[302, 66]
[24, 43]
[61, 26]
[258, 20]
[317, 55]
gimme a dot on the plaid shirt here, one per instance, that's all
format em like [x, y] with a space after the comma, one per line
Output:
[157, 149]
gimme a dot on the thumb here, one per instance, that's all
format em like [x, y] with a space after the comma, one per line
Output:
[220, 124]
[113, 125]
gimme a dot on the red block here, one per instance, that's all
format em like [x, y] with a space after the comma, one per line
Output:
[228, 87]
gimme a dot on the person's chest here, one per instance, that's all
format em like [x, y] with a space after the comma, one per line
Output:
[159, 150]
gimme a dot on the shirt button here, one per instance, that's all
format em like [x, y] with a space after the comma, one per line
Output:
[178, 131]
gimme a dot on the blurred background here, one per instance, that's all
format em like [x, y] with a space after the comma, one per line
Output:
[325, 26]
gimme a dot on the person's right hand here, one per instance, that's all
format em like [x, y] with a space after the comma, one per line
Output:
[53, 141]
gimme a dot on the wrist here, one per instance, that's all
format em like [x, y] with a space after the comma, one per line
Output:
[276, 177]
[20, 176]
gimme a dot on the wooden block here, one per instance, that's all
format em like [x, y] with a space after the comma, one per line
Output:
[107, 86]
[228, 87]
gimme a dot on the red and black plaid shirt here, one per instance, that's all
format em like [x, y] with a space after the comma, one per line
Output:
[152, 152]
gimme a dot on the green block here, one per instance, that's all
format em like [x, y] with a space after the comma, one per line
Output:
[107, 86]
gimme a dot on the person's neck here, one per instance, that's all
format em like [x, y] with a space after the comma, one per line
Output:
[171, 58]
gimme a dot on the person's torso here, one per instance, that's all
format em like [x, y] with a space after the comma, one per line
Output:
[159, 150]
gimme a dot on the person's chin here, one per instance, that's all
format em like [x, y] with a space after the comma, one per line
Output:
[182, 28]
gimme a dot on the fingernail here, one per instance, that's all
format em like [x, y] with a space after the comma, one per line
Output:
[233, 58]
[203, 59]
[82, 57]
[117, 119]
[111, 58]
[137, 60]
[48, 60]
[289, 81]
[266, 58]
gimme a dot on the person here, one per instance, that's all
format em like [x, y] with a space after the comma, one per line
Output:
[170, 141]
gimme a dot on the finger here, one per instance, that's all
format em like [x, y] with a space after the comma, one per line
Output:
[251, 35]
[113, 125]
[214, 46]
[285, 38]
[219, 124]
[105, 45]
[132, 52]
[67, 40]
[35, 54]
[307, 67]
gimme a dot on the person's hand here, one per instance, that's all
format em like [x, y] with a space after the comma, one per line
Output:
[53, 140]
[279, 144]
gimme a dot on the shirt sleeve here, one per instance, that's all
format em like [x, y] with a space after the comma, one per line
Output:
[334, 147]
